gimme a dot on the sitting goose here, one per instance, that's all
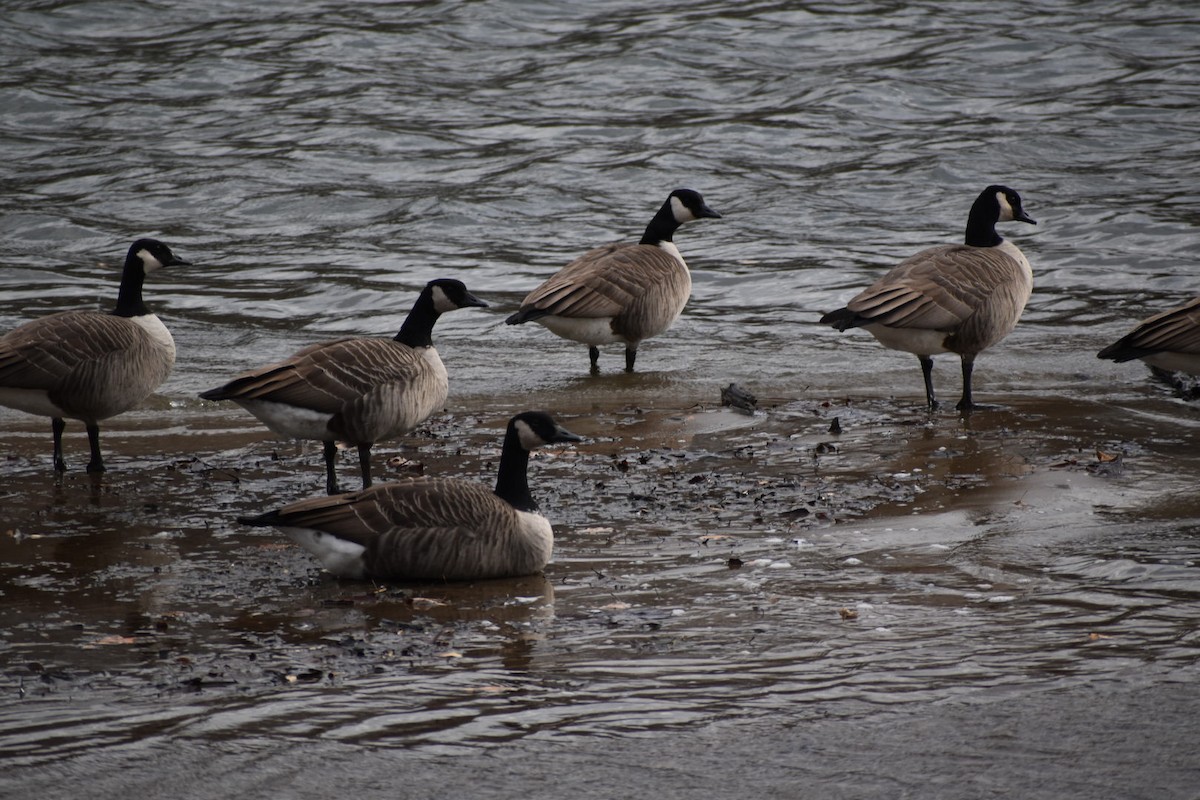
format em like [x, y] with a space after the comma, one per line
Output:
[358, 390]
[88, 365]
[433, 528]
[620, 292]
[951, 298]
[1169, 341]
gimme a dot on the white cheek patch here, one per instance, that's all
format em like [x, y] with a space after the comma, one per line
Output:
[441, 302]
[529, 439]
[682, 213]
[149, 262]
[1006, 209]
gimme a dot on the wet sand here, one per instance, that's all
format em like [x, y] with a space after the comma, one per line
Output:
[716, 573]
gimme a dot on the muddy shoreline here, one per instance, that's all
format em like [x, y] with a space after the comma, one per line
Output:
[711, 568]
[701, 484]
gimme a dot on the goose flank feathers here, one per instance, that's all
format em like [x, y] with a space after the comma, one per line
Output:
[357, 390]
[433, 528]
[951, 298]
[89, 365]
[620, 292]
[1169, 341]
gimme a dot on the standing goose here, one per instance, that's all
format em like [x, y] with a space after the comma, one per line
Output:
[620, 292]
[433, 528]
[951, 298]
[357, 390]
[1169, 341]
[88, 365]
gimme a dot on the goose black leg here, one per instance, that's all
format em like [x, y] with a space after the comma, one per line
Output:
[97, 462]
[966, 403]
[57, 425]
[364, 464]
[594, 355]
[630, 357]
[927, 372]
[330, 474]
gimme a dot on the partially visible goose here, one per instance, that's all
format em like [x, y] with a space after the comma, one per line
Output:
[620, 292]
[433, 528]
[88, 365]
[357, 390]
[954, 298]
[1169, 341]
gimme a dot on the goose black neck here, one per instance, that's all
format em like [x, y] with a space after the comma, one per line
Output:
[129, 298]
[662, 227]
[981, 223]
[512, 480]
[417, 330]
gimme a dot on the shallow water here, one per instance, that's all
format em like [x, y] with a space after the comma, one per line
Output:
[319, 162]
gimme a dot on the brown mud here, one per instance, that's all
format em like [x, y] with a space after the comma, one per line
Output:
[142, 580]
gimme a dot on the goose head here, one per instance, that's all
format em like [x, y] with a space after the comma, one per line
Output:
[1007, 204]
[448, 294]
[150, 255]
[688, 205]
[536, 429]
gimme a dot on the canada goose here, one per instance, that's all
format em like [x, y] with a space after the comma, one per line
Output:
[1169, 341]
[88, 365]
[433, 528]
[357, 390]
[951, 298]
[620, 292]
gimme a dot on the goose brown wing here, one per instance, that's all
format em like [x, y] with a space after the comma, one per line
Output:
[325, 376]
[1174, 331]
[44, 353]
[602, 282]
[420, 529]
[363, 516]
[937, 289]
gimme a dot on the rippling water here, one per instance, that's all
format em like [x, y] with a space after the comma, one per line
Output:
[319, 161]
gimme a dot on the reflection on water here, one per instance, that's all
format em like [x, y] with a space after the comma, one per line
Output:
[318, 163]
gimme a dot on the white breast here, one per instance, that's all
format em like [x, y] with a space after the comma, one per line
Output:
[1014, 252]
[673, 251]
[537, 530]
[440, 378]
[158, 332]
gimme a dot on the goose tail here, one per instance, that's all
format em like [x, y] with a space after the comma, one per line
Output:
[526, 315]
[269, 519]
[842, 319]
